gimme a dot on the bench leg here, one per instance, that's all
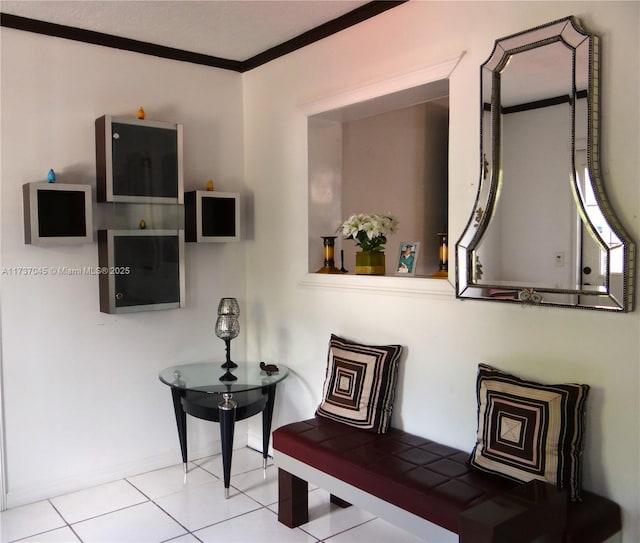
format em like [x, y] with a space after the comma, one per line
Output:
[339, 502]
[293, 499]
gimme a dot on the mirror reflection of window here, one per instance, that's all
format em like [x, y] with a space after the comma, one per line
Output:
[598, 219]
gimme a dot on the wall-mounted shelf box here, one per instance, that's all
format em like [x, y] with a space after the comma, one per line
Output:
[141, 270]
[57, 213]
[138, 161]
[211, 216]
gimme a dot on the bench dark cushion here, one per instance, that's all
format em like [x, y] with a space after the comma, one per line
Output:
[422, 476]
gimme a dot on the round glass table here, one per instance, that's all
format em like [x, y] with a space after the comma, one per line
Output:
[205, 391]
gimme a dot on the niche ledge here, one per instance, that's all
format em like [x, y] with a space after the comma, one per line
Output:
[381, 284]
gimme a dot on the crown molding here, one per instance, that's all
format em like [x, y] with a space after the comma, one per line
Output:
[343, 22]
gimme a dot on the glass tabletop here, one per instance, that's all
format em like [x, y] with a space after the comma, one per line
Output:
[205, 377]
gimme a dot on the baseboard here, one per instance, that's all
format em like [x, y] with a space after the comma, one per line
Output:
[255, 442]
[46, 490]
[197, 449]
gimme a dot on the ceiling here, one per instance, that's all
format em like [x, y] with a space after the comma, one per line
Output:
[229, 29]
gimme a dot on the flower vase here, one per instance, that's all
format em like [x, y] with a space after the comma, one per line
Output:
[370, 263]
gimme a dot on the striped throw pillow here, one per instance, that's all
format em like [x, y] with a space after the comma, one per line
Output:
[360, 384]
[528, 430]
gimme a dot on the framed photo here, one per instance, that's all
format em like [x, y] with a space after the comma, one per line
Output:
[407, 258]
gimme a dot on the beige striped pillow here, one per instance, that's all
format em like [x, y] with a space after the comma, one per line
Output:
[360, 384]
[527, 430]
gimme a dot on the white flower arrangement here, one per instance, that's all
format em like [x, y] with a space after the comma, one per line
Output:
[369, 231]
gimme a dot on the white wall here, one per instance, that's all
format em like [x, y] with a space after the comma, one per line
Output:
[82, 401]
[396, 162]
[325, 187]
[293, 315]
[81, 398]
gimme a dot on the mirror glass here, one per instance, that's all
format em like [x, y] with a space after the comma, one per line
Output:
[542, 230]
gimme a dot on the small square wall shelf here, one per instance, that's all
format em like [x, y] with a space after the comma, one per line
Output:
[211, 216]
[141, 270]
[57, 213]
[138, 161]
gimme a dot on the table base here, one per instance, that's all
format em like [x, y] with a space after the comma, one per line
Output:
[233, 407]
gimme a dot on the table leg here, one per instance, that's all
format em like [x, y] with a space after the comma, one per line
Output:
[227, 423]
[181, 421]
[267, 417]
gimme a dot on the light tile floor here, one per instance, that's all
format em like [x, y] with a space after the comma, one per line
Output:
[161, 506]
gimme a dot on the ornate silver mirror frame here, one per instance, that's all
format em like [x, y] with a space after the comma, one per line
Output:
[542, 230]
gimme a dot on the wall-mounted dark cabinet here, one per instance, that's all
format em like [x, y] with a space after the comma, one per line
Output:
[138, 161]
[57, 213]
[211, 216]
[141, 270]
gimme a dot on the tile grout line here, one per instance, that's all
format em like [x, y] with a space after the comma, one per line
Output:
[342, 531]
[151, 500]
[192, 532]
[71, 525]
[66, 525]
[235, 516]
[62, 517]
[148, 499]
[189, 532]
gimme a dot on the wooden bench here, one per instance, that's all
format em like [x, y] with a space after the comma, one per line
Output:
[428, 489]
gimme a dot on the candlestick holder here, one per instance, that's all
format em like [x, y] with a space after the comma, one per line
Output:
[228, 328]
[443, 253]
[329, 250]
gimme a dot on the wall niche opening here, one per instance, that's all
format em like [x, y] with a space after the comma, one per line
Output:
[387, 154]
